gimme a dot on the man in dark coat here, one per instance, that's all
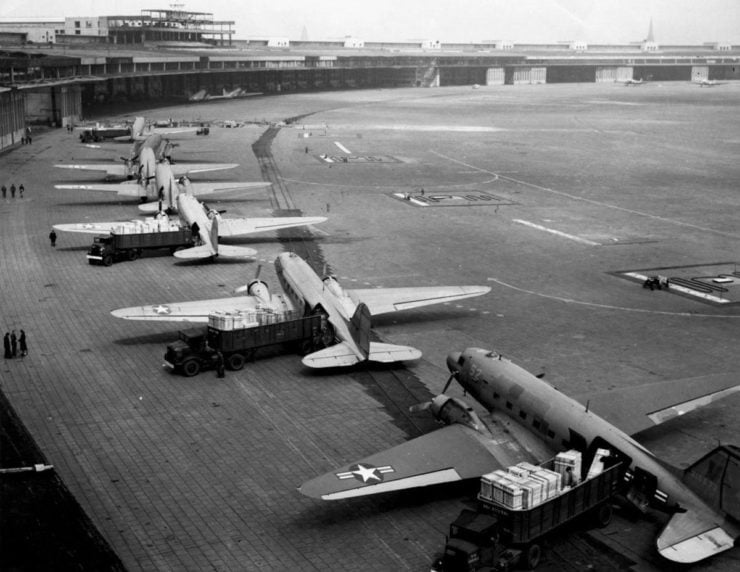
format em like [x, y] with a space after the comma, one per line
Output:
[23, 344]
[13, 344]
[53, 238]
[6, 346]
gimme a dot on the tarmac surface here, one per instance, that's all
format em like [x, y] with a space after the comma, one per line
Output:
[583, 182]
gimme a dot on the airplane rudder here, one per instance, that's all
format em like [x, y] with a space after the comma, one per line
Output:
[716, 479]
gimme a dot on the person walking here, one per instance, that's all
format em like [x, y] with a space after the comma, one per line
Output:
[6, 346]
[53, 238]
[21, 189]
[23, 344]
[13, 344]
[12, 190]
[5, 191]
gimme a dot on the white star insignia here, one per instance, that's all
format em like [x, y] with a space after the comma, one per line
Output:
[161, 309]
[365, 472]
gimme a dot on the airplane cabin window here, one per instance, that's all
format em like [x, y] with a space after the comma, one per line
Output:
[509, 405]
[523, 414]
[551, 434]
[536, 423]
[496, 395]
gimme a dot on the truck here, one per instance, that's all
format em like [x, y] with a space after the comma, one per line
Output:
[496, 537]
[117, 246]
[199, 349]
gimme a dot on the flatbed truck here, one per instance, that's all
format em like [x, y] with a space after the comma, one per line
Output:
[105, 250]
[497, 538]
[199, 349]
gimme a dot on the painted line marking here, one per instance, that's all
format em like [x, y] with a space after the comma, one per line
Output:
[557, 232]
[682, 289]
[610, 307]
[342, 147]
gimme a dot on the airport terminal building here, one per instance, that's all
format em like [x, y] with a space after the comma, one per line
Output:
[50, 72]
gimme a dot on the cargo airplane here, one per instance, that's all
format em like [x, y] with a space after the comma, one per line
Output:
[632, 81]
[158, 187]
[347, 311]
[531, 420]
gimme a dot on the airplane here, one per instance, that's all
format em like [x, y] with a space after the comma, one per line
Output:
[208, 225]
[348, 312]
[704, 82]
[198, 95]
[632, 81]
[157, 183]
[532, 420]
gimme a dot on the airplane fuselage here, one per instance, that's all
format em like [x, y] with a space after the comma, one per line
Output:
[192, 211]
[560, 421]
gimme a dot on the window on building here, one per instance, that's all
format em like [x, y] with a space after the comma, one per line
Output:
[77, 23]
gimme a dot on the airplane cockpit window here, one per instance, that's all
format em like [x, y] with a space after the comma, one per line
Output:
[461, 360]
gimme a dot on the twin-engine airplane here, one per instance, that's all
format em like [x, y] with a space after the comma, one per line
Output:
[531, 420]
[708, 82]
[632, 81]
[347, 311]
[157, 183]
[208, 225]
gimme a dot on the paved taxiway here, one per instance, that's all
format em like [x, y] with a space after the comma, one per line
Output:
[201, 473]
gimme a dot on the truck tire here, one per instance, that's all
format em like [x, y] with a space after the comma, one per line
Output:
[190, 367]
[108, 260]
[236, 361]
[134, 254]
[603, 514]
[532, 556]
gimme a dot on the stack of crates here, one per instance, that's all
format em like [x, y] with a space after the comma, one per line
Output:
[597, 466]
[569, 460]
[522, 486]
[228, 321]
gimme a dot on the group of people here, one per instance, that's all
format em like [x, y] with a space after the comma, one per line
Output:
[11, 343]
[4, 190]
[27, 139]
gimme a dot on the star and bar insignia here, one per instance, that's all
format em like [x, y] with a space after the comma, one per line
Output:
[366, 473]
[161, 309]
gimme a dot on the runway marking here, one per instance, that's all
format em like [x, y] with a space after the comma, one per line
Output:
[342, 147]
[385, 187]
[557, 232]
[608, 306]
[589, 201]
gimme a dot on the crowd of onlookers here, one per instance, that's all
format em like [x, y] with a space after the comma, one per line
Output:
[21, 189]
[11, 344]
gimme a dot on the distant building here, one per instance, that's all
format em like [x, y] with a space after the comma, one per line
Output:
[278, 42]
[350, 42]
[32, 31]
[578, 46]
[431, 45]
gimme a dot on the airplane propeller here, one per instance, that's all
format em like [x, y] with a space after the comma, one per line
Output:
[245, 288]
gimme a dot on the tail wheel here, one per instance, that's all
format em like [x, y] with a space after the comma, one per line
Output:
[532, 556]
[191, 367]
[603, 515]
[236, 361]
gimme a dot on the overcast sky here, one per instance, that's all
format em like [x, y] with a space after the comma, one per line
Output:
[595, 21]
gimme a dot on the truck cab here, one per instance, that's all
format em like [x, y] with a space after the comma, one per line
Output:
[101, 251]
[189, 353]
[473, 543]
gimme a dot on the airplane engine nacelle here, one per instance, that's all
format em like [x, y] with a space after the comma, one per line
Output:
[331, 284]
[451, 410]
[259, 290]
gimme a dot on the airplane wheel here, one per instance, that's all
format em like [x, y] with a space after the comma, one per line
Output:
[107, 260]
[191, 367]
[236, 361]
[603, 515]
[532, 556]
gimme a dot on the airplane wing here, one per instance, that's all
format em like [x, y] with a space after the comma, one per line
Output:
[453, 453]
[89, 227]
[242, 226]
[112, 169]
[126, 189]
[385, 300]
[691, 536]
[342, 355]
[199, 189]
[634, 409]
[179, 169]
[195, 312]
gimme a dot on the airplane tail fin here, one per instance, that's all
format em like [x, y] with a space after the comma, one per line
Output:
[715, 477]
[359, 327]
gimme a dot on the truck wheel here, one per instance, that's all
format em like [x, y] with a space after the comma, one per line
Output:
[107, 260]
[603, 515]
[190, 367]
[532, 556]
[236, 361]
[133, 254]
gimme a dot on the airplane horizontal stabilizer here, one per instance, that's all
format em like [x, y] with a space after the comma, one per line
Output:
[452, 453]
[389, 353]
[88, 227]
[196, 252]
[385, 300]
[339, 355]
[200, 189]
[242, 226]
[634, 409]
[228, 251]
[690, 538]
[112, 169]
[179, 169]
[149, 208]
[195, 312]
[131, 189]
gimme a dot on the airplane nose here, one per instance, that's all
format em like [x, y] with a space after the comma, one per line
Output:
[452, 362]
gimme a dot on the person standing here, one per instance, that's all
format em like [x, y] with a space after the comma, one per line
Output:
[13, 344]
[21, 189]
[23, 344]
[6, 346]
[12, 190]
[5, 191]
[53, 238]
